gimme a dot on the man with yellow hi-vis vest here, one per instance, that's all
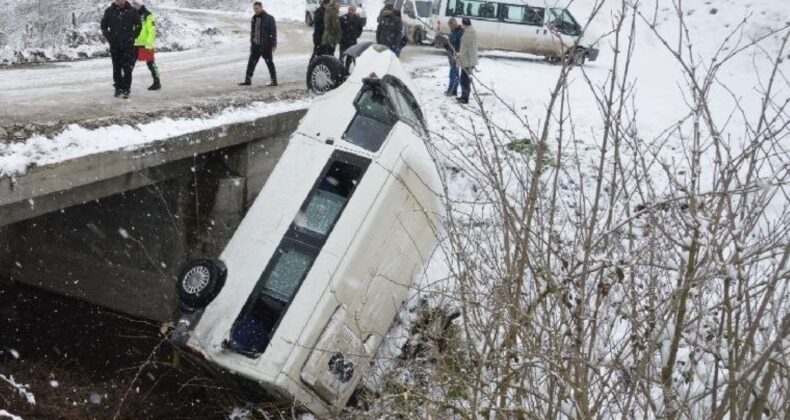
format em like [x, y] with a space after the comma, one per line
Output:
[146, 41]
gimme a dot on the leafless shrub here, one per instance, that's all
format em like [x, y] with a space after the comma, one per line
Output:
[648, 288]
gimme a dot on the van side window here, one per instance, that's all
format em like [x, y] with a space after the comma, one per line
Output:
[373, 121]
[472, 9]
[298, 249]
[511, 13]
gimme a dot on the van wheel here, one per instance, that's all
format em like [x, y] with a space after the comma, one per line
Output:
[308, 19]
[200, 282]
[577, 57]
[325, 73]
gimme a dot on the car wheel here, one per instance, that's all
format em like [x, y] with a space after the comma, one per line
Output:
[308, 19]
[200, 282]
[325, 73]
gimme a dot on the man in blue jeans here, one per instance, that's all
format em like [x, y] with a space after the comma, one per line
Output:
[453, 46]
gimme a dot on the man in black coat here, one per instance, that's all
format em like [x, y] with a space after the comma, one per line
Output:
[390, 29]
[263, 42]
[120, 26]
[318, 28]
[351, 27]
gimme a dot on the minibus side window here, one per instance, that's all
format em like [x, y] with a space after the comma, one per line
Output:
[373, 121]
[455, 8]
[293, 258]
[472, 8]
[526, 15]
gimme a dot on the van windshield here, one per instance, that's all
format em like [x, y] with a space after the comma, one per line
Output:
[423, 8]
[564, 23]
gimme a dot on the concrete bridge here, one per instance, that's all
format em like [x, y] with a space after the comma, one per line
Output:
[115, 228]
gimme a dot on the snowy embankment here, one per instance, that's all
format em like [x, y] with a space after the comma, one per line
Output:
[641, 311]
[76, 141]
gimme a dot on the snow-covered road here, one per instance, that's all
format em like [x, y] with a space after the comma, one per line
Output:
[67, 92]
[72, 91]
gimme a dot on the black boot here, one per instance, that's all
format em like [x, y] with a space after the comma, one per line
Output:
[155, 86]
[118, 93]
[125, 94]
[272, 83]
[246, 82]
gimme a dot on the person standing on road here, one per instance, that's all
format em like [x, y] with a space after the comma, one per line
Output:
[318, 28]
[388, 32]
[403, 39]
[263, 43]
[146, 41]
[332, 32]
[453, 46]
[351, 27]
[120, 26]
[467, 59]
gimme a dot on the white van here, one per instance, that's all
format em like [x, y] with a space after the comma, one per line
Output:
[312, 5]
[415, 15]
[517, 26]
[316, 272]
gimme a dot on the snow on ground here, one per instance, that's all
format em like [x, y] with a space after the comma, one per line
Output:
[77, 141]
[21, 389]
[282, 10]
[35, 31]
[6, 414]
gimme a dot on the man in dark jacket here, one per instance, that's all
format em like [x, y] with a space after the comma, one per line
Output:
[453, 47]
[120, 26]
[389, 30]
[318, 28]
[263, 42]
[351, 26]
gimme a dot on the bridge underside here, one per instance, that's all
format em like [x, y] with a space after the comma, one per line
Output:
[115, 228]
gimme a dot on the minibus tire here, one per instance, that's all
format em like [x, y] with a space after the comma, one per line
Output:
[200, 282]
[577, 57]
[325, 73]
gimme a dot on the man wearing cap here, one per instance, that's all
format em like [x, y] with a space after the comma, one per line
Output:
[120, 26]
[145, 42]
[263, 42]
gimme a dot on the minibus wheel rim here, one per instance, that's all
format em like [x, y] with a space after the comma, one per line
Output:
[196, 279]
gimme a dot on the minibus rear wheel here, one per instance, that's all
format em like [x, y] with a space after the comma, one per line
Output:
[576, 57]
[200, 282]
